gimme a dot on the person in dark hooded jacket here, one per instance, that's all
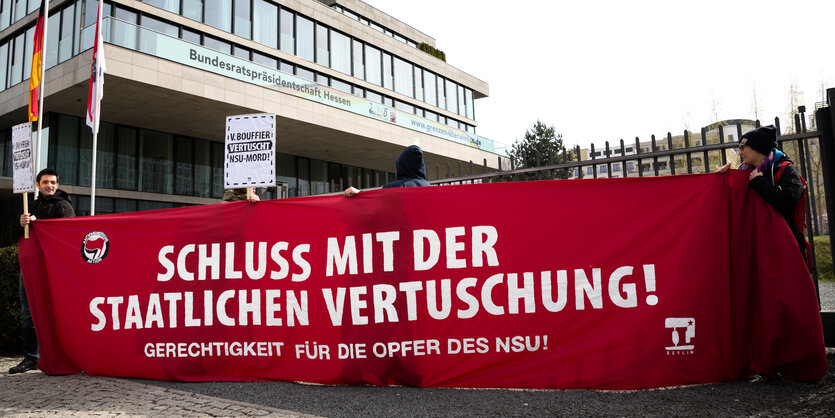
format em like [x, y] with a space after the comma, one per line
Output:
[759, 153]
[410, 171]
[51, 203]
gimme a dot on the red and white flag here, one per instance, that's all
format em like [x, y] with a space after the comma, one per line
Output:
[97, 70]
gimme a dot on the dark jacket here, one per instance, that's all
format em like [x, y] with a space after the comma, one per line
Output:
[783, 195]
[411, 171]
[58, 205]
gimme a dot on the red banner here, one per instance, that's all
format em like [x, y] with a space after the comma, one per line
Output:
[607, 284]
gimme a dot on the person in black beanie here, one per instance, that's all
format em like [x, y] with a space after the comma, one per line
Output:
[774, 177]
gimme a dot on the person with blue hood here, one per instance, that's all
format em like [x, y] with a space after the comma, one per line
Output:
[774, 177]
[410, 171]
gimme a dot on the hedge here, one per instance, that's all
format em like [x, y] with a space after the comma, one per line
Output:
[431, 50]
[10, 340]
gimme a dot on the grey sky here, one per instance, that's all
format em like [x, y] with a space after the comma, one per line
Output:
[605, 69]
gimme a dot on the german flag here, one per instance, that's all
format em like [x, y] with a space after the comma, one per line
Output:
[37, 65]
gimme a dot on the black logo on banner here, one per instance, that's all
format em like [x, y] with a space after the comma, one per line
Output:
[95, 246]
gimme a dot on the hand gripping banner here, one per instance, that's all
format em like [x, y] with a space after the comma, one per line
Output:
[606, 284]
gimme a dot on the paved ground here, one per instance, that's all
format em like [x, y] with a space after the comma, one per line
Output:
[827, 295]
[36, 394]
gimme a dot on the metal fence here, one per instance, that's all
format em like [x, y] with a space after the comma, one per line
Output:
[689, 154]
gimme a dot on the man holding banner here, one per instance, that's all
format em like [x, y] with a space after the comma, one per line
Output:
[51, 203]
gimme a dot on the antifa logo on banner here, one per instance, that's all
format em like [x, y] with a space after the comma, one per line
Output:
[95, 246]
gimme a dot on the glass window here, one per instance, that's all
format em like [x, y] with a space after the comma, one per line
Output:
[286, 172]
[156, 162]
[125, 205]
[341, 85]
[4, 61]
[285, 67]
[388, 101]
[5, 14]
[377, 27]
[148, 39]
[184, 166]
[6, 157]
[191, 36]
[19, 9]
[264, 24]
[461, 108]
[65, 41]
[76, 29]
[403, 78]
[322, 54]
[105, 155]
[305, 73]
[303, 176]
[217, 44]
[287, 39]
[430, 115]
[319, 177]
[322, 79]
[219, 14]
[16, 67]
[153, 205]
[359, 91]
[451, 97]
[430, 88]
[27, 53]
[88, 34]
[359, 68]
[104, 205]
[217, 169]
[243, 25]
[305, 47]
[468, 101]
[404, 106]
[387, 74]
[193, 9]
[123, 34]
[264, 60]
[126, 158]
[350, 14]
[160, 26]
[373, 66]
[340, 52]
[441, 95]
[65, 149]
[202, 168]
[85, 157]
[418, 83]
[172, 6]
[240, 52]
[374, 97]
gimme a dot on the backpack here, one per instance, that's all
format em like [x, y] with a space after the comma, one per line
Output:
[799, 210]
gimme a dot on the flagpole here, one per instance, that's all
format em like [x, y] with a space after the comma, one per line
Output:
[99, 43]
[41, 89]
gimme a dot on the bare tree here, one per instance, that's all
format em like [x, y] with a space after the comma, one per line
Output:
[795, 100]
[756, 108]
[715, 106]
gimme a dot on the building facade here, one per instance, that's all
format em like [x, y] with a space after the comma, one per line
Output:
[348, 83]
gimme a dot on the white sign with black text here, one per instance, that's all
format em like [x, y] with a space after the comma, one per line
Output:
[24, 177]
[250, 151]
